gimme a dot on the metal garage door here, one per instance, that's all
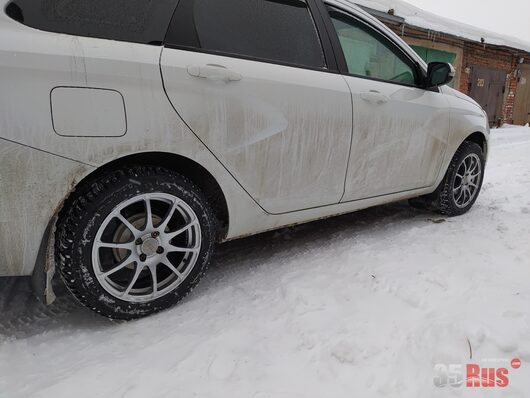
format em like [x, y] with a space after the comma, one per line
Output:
[487, 88]
[521, 112]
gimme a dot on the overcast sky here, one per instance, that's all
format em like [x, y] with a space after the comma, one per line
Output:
[510, 17]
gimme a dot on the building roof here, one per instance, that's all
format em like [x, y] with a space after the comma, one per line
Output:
[417, 17]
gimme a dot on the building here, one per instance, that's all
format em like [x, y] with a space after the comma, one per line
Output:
[491, 68]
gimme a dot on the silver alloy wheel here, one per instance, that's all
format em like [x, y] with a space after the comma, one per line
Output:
[146, 247]
[467, 180]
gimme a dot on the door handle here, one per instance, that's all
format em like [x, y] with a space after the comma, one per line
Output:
[375, 97]
[214, 72]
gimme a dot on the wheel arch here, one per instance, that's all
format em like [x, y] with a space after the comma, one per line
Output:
[44, 269]
[197, 173]
[480, 139]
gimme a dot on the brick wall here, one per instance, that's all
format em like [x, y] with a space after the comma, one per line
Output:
[495, 58]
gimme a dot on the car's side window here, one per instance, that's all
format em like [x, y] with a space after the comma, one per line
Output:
[273, 30]
[369, 53]
[138, 21]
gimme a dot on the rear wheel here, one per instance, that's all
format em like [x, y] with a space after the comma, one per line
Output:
[135, 242]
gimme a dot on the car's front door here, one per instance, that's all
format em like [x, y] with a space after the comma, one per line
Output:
[251, 80]
[400, 130]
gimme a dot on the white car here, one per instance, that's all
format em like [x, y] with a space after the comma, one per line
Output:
[135, 135]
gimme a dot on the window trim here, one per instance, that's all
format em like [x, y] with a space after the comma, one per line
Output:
[23, 23]
[331, 64]
[419, 73]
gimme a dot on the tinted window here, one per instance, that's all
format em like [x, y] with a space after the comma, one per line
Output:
[277, 30]
[140, 21]
[368, 53]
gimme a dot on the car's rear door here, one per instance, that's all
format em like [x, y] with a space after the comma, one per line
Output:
[400, 130]
[252, 80]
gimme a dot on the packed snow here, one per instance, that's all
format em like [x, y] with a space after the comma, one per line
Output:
[363, 305]
[415, 16]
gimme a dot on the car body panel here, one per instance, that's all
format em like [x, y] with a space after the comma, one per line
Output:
[32, 64]
[33, 184]
[40, 168]
[401, 148]
[88, 112]
[466, 117]
[283, 132]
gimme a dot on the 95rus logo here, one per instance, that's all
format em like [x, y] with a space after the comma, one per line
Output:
[473, 375]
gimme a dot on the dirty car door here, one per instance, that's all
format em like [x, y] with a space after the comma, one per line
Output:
[250, 79]
[400, 129]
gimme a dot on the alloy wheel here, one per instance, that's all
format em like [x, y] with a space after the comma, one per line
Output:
[467, 180]
[146, 247]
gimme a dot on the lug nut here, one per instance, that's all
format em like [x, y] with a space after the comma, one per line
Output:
[155, 234]
[160, 250]
[143, 257]
[138, 242]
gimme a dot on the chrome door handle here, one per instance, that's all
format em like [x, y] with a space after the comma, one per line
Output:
[214, 72]
[375, 97]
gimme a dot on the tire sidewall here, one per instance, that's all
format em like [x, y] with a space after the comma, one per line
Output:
[81, 277]
[465, 150]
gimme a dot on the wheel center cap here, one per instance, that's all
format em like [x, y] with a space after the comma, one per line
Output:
[149, 247]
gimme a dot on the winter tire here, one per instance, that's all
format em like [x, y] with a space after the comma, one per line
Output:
[134, 242]
[463, 181]
[461, 185]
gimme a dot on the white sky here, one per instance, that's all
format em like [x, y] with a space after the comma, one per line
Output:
[511, 17]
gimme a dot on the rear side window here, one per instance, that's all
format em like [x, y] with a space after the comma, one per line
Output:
[275, 30]
[139, 21]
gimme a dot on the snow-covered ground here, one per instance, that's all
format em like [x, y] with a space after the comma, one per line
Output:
[364, 305]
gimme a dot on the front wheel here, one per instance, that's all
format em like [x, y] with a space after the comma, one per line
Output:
[461, 185]
[463, 181]
[135, 241]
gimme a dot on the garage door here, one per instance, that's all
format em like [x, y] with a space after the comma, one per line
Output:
[487, 88]
[521, 113]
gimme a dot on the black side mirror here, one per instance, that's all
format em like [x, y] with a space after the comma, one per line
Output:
[439, 74]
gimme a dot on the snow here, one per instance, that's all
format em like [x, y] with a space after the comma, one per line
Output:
[415, 16]
[363, 305]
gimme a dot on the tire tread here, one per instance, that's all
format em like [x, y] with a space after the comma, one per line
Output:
[69, 223]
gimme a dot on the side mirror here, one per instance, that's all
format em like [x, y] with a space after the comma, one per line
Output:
[439, 74]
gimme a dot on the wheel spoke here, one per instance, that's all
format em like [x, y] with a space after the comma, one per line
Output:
[465, 166]
[148, 214]
[124, 246]
[139, 269]
[168, 264]
[152, 269]
[460, 195]
[169, 216]
[175, 249]
[172, 235]
[128, 261]
[135, 231]
[474, 165]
